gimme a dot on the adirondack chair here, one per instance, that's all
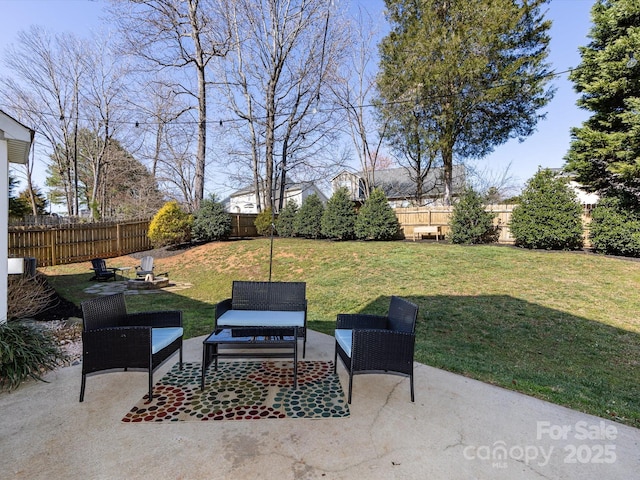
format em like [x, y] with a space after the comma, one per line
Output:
[99, 266]
[145, 267]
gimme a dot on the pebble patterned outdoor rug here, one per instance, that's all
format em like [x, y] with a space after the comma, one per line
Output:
[244, 391]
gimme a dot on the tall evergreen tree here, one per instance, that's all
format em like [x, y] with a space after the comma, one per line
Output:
[459, 77]
[17, 206]
[605, 150]
[39, 200]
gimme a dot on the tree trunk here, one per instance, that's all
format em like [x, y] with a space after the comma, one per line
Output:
[158, 148]
[202, 105]
[283, 174]
[447, 159]
[269, 142]
[202, 139]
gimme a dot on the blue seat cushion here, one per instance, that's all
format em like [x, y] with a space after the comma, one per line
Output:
[260, 318]
[163, 337]
[344, 337]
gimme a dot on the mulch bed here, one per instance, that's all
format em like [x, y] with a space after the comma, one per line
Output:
[59, 309]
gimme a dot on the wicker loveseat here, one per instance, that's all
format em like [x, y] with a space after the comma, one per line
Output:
[113, 338]
[378, 344]
[264, 304]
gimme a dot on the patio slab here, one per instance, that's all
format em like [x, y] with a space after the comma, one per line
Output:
[109, 288]
[457, 428]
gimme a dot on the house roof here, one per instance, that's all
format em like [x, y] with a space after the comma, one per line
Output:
[397, 183]
[18, 137]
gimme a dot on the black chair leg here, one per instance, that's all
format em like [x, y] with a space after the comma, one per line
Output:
[150, 385]
[350, 386]
[335, 358]
[411, 383]
[84, 381]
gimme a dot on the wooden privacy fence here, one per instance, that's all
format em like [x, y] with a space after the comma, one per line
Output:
[71, 243]
[243, 225]
[412, 217]
[62, 244]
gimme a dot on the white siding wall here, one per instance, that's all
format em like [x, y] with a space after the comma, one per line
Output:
[350, 182]
[245, 203]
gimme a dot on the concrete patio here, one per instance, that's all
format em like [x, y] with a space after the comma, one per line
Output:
[457, 429]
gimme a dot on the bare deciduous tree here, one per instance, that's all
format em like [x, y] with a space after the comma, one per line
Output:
[71, 90]
[44, 89]
[285, 53]
[354, 92]
[175, 35]
[103, 95]
[165, 136]
[494, 185]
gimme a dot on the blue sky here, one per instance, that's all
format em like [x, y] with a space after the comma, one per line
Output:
[545, 148]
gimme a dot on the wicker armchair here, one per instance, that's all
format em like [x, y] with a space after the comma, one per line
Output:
[113, 338]
[378, 344]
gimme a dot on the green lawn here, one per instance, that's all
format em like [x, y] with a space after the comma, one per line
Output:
[559, 326]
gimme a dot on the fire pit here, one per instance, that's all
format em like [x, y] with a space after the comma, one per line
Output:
[148, 283]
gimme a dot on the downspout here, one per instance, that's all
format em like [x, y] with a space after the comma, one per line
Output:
[4, 226]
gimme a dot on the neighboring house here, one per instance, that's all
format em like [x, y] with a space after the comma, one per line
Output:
[244, 200]
[586, 199]
[398, 186]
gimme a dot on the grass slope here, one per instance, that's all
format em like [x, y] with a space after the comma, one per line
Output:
[556, 325]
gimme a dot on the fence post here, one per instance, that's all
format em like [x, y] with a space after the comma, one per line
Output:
[118, 239]
[52, 245]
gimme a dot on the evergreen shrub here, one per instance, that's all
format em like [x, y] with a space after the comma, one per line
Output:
[308, 221]
[263, 222]
[339, 218]
[470, 222]
[285, 224]
[549, 215]
[376, 219]
[211, 222]
[26, 351]
[170, 226]
[615, 229]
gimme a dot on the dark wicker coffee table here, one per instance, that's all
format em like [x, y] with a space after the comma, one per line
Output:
[237, 340]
